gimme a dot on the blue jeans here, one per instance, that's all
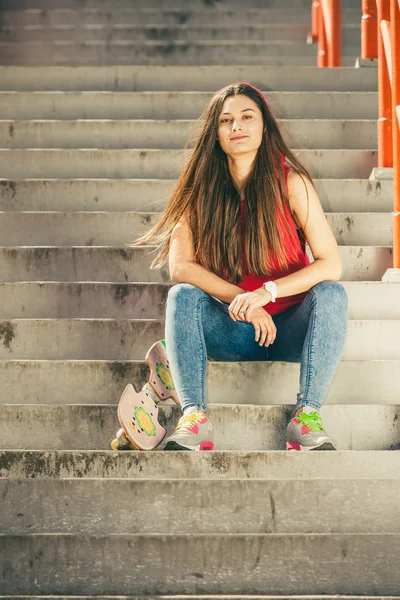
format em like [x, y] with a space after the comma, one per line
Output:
[198, 327]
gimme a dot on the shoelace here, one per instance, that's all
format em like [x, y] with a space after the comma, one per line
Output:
[187, 422]
[311, 420]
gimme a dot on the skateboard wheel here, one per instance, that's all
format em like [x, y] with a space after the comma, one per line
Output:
[121, 442]
[115, 444]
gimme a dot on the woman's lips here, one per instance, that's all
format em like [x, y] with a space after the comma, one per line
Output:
[242, 137]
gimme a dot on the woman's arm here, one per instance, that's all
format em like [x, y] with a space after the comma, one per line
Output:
[327, 263]
[208, 282]
[183, 269]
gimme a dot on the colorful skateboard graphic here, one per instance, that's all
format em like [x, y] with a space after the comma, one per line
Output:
[138, 411]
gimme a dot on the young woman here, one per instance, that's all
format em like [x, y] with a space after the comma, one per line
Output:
[235, 232]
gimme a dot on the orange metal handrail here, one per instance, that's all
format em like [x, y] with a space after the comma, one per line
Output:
[395, 48]
[382, 41]
[369, 29]
[385, 140]
[326, 30]
[314, 20]
[380, 38]
[388, 34]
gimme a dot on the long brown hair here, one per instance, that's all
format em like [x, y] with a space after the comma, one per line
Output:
[206, 194]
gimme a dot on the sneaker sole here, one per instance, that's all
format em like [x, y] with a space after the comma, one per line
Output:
[299, 447]
[201, 447]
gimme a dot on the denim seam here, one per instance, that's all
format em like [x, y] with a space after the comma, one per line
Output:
[199, 330]
[311, 348]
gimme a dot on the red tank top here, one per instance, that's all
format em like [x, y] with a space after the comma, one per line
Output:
[298, 259]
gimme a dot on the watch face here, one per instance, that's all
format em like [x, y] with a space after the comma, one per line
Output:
[270, 287]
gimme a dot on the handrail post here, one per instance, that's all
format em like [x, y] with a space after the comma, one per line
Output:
[385, 143]
[335, 50]
[316, 5]
[326, 28]
[395, 43]
[322, 59]
[369, 30]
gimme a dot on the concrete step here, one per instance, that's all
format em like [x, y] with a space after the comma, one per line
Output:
[127, 339]
[194, 53]
[164, 164]
[102, 382]
[179, 105]
[207, 6]
[123, 264]
[351, 35]
[118, 228]
[208, 597]
[100, 507]
[369, 464]
[155, 134]
[65, 300]
[89, 382]
[358, 228]
[346, 195]
[166, 16]
[193, 563]
[236, 426]
[202, 79]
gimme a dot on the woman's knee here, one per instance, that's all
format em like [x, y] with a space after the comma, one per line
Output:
[185, 292]
[332, 293]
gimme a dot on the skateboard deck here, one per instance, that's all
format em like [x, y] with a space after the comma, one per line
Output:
[160, 375]
[138, 415]
[138, 411]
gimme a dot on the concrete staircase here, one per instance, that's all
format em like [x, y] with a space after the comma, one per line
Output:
[89, 154]
[183, 32]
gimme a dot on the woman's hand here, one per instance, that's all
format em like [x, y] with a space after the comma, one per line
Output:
[248, 302]
[265, 328]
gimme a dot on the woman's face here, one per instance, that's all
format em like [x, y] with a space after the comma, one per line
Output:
[242, 118]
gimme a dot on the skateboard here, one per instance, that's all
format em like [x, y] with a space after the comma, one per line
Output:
[138, 411]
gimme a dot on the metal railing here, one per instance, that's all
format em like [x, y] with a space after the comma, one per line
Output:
[380, 38]
[389, 104]
[326, 30]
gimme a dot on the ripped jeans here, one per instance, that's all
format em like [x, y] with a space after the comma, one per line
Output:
[198, 327]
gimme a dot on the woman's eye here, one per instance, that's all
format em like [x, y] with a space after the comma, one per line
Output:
[245, 116]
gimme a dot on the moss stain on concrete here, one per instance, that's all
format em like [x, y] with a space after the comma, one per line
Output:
[121, 292]
[7, 333]
[119, 370]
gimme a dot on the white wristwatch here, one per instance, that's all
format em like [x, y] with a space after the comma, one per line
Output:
[271, 287]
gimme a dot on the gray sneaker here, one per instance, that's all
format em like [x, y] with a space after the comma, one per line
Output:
[305, 432]
[193, 432]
